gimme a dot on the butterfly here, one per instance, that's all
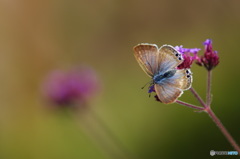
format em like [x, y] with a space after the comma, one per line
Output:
[161, 65]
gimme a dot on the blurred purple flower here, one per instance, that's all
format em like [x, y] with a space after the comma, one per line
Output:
[210, 59]
[70, 87]
[189, 56]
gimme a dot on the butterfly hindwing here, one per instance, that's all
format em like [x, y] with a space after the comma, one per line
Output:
[147, 57]
[168, 58]
[169, 89]
[167, 94]
[182, 79]
[187, 79]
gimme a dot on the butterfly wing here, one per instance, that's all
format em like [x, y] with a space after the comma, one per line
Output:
[167, 94]
[168, 58]
[182, 79]
[147, 57]
[171, 88]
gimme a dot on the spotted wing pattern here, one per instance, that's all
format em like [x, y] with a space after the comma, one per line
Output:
[168, 58]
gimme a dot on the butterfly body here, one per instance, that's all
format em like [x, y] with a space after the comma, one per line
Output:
[161, 65]
[161, 77]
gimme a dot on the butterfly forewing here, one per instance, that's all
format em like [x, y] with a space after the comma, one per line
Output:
[168, 58]
[147, 57]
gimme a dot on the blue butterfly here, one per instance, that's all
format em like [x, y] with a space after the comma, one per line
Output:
[161, 65]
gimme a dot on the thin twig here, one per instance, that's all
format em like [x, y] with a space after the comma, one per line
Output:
[98, 139]
[112, 135]
[223, 129]
[189, 105]
[198, 97]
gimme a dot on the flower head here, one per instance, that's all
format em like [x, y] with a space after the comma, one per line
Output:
[210, 59]
[65, 88]
[189, 56]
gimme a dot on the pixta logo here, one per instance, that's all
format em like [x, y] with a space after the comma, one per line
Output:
[213, 153]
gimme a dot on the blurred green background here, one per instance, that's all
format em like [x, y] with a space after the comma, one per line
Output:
[39, 36]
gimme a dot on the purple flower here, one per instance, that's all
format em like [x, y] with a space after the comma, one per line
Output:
[66, 88]
[187, 50]
[210, 59]
[189, 56]
[208, 44]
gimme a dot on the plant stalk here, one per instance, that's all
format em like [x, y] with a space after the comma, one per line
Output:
[189, 105]
[209, 81]
[198, 97]
[223, 129]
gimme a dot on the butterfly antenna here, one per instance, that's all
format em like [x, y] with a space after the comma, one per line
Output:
[146, 84]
